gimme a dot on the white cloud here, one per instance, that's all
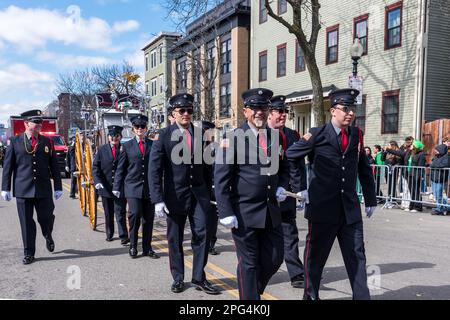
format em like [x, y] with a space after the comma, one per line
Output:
[15, 109]
[20, 76]
[126, 26]
[72, 61]
[23, 88]
[28, 29]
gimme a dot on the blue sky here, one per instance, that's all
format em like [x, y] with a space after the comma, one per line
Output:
[40, 39]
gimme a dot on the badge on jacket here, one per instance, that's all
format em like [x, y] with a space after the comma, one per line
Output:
[46, 149]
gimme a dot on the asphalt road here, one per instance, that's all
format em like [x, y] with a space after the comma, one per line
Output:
[408, 258]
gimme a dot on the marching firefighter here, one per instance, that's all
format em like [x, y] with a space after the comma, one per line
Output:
[277, 120]
[179, 190]
[248, 191]
[208, 132]
[31, 161]
[103, 170]
[131, 177]
[71, 167]
[336, 155]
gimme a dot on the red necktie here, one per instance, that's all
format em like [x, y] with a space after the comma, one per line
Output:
[283, 137]
[344, 140]
[262, 143]
[33, 142]
[141, 146]
[113, 151]
[188, 138]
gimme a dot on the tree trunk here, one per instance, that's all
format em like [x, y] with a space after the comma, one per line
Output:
[317, 100]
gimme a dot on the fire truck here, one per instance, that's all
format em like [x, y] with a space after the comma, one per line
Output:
[49, 130]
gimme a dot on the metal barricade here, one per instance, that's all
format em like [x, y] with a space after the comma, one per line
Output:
[381, 176]
[413, 187]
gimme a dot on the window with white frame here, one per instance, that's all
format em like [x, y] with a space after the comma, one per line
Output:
[153, 59]
[161, 83]
[153, 84]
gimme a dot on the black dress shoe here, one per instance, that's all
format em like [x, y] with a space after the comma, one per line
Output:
[124, 242]
[133, 252]
[298, 281]
[177, 286]
[49, 243]
[28, 260]
[205, 286]
[308, 297]
[213, 251]
[109, 239]
[151, 254]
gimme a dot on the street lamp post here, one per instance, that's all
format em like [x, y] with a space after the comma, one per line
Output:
[356, 52]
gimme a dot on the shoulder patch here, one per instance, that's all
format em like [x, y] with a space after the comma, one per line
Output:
[307, 136]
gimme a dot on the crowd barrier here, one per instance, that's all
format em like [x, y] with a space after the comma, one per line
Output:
[411, 187]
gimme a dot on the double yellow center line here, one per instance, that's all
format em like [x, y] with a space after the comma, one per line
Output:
[230, 278]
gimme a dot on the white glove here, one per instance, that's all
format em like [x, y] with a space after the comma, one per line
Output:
[161, 210]
[116, 194]
[99, 186]
[6, 195]
[280, 194]
[370, 211]
[58, 194]
[304, 201]
[304, 194]
[229, 222]
[67, 169]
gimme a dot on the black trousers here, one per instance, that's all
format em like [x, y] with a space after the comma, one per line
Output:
[260, 254]
[73, 185]
[115, 207]
[141, 210]
[319, 242]
[290, 236]
[414, 184]
[213, 221]
[44, 210]
[199, 242]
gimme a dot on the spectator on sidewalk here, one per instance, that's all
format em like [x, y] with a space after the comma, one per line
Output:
[392, 160]
[439, 178]
[378, 171]
[369, 155]
[416, 164]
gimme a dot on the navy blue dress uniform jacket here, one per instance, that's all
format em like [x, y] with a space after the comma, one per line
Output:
[242, 190]
[70, 159]
[104, 169]
[31, 172]
[333, 174]
[132, 170]
[298, 171]
[181, 182]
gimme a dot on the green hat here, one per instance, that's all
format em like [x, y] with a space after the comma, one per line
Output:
[418, 144]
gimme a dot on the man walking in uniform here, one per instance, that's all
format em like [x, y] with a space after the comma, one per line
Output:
[336, 155]
[131, 176]
[248, 191]
[103, 170]
[179, 189]
[71, 167]
[31, 161]
[277, 120]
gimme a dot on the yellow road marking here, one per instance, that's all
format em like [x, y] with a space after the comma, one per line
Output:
[229, 276]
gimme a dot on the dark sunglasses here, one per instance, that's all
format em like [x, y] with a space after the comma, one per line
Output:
[142, 126]
[280, 111]
[182, 111]
[259, 108]
[347, 109]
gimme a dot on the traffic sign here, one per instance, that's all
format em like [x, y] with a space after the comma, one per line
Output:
[356, 83]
